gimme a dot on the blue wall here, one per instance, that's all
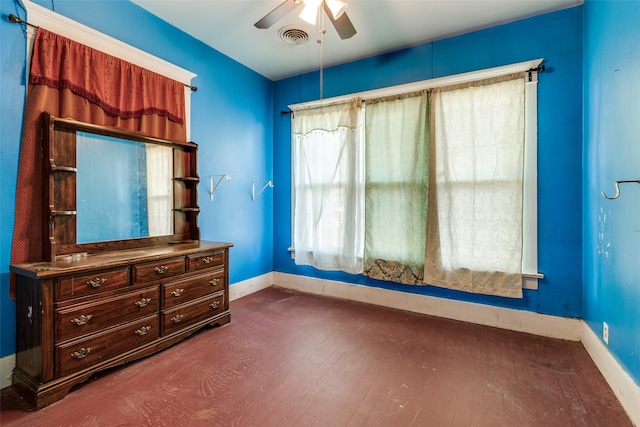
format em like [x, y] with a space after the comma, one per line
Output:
[231, 121]
[557, 38]
[236, 121]
[612, 152]
[11, 109]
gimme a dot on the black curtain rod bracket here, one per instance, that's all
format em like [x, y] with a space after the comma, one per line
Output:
[540, 69]
[284, 113]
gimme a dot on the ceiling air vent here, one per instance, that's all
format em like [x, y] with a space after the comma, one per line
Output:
[293, 35]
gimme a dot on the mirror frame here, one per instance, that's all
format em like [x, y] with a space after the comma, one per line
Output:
[59, 190]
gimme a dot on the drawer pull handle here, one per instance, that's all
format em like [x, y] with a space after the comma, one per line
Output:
[214, 282]
[207, 260]
[82, 320]
[177, 292]
[161, 269]
[143, 302]
[215, 304]
[143, 331]
[97, 282]
[177, 318]
[84, 352]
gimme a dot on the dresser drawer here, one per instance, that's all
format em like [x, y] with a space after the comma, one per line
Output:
[205, 260]
[78, 354]
[92, 283]
[157, 270]
[186, 290]
[189, 314]
[78, 320]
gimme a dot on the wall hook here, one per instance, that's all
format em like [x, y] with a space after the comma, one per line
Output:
[253, 189]
[617, 184]
[212, 188]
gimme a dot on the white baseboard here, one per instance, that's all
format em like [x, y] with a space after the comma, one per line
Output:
[7, 364]
[249, 286]
[623, 386]
[482, 314]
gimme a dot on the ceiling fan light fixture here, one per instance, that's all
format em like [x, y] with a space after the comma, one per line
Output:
[337, 8]
[309, 14]
[310, 11]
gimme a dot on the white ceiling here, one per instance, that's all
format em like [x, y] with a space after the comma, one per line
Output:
[382, 26]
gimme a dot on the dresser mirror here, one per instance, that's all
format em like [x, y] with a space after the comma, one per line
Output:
[130, 196]
[107, 189]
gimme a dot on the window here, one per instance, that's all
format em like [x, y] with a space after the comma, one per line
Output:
[474, 224]
[470, 131]
[396, 165]
[328, 181]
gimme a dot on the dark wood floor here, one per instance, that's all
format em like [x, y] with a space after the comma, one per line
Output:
[292, 359]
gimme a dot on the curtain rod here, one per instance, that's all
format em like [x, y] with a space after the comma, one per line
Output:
[15, 19]
[527, 67]
[540, 69]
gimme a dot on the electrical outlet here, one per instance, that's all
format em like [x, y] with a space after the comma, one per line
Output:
[605, 332]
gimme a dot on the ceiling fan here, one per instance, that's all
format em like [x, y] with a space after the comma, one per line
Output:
[335, 9]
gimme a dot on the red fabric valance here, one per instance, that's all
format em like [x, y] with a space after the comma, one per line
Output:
[120, 88]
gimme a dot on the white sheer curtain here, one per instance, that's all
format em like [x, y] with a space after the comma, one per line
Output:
[474, 226]
[159, 189]
[397, 132]
[328, 181]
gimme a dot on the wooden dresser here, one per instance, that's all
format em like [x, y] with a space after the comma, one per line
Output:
[82, 314]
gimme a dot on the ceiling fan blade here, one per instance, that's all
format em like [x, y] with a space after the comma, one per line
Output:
[343, 25]
[277, 14]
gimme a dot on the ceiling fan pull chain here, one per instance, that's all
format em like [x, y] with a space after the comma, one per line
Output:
[321, 42]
